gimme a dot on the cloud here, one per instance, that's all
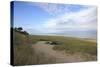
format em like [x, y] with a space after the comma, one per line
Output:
[57, 9]
[52, 9]
[68, 17]
[83, 20]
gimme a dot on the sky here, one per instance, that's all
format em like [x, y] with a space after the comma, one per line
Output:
[56, 19]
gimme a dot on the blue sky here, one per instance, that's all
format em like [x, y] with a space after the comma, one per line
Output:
[50, 18]
[26, 14]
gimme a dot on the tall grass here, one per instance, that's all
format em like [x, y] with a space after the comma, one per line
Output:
[24, 54]
[74, 45]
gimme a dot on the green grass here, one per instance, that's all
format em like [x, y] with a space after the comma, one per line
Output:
[24, 54]
[74, 45]
[78, 46]
[70, 44]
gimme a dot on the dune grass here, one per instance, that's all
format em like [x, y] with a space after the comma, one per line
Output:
[24, 54]
[72, 45]
[78, 46]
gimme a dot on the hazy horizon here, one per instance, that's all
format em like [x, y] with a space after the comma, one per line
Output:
[56, 19]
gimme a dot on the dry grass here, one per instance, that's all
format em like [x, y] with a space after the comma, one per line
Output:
[24, 54]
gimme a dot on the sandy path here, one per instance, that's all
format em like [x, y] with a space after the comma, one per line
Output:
[61, 57]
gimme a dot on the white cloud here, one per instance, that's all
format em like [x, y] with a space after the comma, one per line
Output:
[83, 20]
[52, 9]
[57, 9]
[67, 19]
